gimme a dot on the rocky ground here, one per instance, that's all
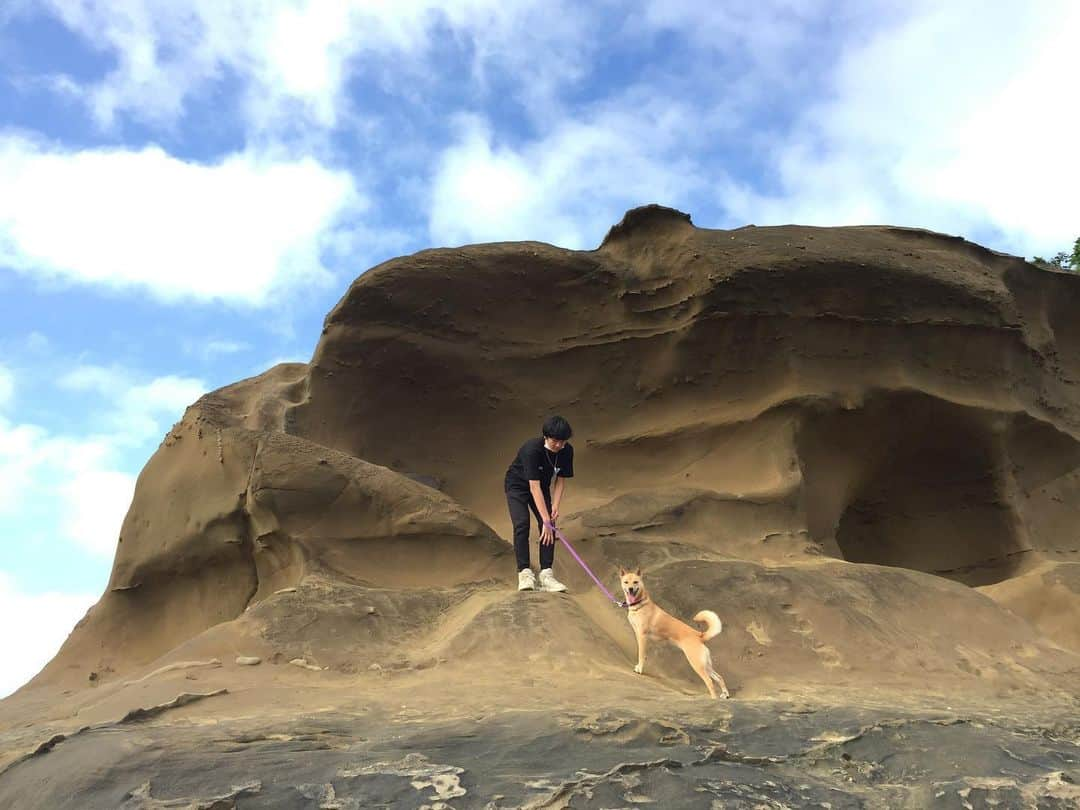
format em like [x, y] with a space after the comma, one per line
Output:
[557, 746]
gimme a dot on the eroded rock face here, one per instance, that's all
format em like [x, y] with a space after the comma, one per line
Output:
[225, 517]
[846, 368]
[859, 446]
[876, 395]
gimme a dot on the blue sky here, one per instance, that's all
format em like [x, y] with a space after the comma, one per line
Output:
[186, 188]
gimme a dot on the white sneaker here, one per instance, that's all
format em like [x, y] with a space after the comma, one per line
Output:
[527, 580]
[548, 581]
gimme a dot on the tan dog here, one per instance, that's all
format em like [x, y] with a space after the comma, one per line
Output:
[650, 622]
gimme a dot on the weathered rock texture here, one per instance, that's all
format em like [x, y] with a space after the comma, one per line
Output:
[859, 446]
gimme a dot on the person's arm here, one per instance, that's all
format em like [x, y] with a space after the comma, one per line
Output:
[567, 455]
[547, 536]
[556, 498]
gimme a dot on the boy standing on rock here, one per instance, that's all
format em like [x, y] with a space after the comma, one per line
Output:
[535, 482]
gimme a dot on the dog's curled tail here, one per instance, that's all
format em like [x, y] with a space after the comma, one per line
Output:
[712, 623]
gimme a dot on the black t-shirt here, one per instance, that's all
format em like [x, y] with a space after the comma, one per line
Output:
[534, 462]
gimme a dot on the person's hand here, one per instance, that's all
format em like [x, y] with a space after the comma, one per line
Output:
[554, 515]
[547, 534]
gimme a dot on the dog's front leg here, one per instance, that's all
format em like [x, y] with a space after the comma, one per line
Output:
[642, 648]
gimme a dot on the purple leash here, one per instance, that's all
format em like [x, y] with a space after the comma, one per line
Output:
[581, 562]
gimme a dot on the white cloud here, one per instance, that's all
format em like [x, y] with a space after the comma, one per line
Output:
[22, 450]
[34, 627]
[76, 478]
[37, 343]
[955, 116]
[219, 347]
[86, 480]
[160, 401]
[277, 361]
[566, 187]
[234, 230]
[1014, 160]
[7, 387]
[168, 393]
[134, 411]
[104, 380]
[959, 118]
[207, 349]
[293, 57]
[764, 33]
[96, 499]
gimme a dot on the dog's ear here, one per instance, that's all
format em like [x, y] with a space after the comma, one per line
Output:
[638, 571]
[622, 571]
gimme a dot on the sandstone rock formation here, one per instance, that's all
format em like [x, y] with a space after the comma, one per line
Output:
[860, 446]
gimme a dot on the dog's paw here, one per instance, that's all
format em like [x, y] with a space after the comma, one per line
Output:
[638, 668]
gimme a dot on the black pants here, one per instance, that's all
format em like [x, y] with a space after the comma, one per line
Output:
[520, 506]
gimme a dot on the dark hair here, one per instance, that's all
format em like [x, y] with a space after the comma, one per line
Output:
[557, 428]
